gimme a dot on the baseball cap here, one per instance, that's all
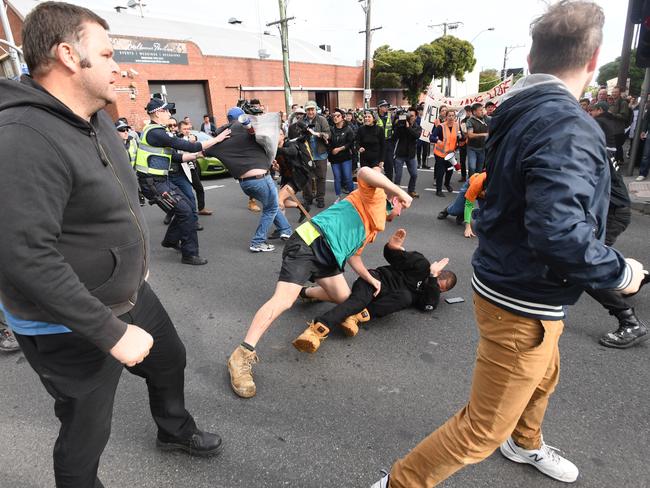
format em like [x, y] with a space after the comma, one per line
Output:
[156, 104]
[120, 124]
[234, 113]
[310, 104]
[602, 105]
[299, 110]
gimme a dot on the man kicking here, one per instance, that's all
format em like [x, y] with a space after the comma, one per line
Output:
[408, 280]
[318, 251]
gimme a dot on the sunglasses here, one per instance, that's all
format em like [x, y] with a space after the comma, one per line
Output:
[172, 125]
[124, 129]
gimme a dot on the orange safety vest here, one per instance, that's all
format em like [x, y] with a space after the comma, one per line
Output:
[449, 141]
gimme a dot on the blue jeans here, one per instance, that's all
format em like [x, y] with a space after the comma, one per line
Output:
[342, 174]
[411, 166]
[457, 207]
[264, 191]
[185, 186]
[645, 159]
[475, 160]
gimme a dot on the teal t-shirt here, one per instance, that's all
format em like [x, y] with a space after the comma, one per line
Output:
[343, 230]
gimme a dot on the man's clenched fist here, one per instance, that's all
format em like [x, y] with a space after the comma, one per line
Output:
[133, 347]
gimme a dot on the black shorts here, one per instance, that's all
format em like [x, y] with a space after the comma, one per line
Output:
[300, 264]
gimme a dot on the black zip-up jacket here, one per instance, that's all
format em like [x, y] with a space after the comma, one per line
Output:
[542, 225]
[73, 241]
[343, 137]
[371, 139]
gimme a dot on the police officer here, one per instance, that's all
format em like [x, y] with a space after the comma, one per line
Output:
[156, 153]
[130, 144]
[385, 122]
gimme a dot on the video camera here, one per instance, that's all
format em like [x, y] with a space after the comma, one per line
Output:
[401, 116]
[246, 106]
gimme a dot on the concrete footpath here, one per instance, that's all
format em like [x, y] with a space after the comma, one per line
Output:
[639, 194]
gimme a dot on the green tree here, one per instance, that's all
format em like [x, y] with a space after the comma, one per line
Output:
[610, 70]
[443, 57]
[487, 79]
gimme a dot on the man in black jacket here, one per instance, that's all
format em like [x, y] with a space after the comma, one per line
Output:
[408, 280]
[73, 262]
[407, 133]
[540, 245]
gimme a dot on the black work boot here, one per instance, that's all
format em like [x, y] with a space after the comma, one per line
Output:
[630, 331]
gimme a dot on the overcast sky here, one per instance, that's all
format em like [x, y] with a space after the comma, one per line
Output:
[404, 22]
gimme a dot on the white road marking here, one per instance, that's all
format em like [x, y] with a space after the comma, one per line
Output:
[212, 187]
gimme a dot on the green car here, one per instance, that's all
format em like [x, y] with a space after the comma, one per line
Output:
[208, 166]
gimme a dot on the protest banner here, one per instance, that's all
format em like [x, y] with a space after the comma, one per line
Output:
[434, 100]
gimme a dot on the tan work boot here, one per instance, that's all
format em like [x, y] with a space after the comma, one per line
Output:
[253, 206]
[240, 367]
[350, 325]
[310, 339]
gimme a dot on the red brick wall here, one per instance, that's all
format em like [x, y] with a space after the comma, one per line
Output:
[16, 26]
[224, 75]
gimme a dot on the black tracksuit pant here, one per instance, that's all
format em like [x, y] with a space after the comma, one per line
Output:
[198, 189]
[388, 301]
[440, 172]
[618, 218]
[82, 380]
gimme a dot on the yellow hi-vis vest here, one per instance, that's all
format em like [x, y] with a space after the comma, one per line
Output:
[388, 128]
[145, 152]
[133, 151]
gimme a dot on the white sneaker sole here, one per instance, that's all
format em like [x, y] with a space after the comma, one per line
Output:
[257, 249]
[507, 451]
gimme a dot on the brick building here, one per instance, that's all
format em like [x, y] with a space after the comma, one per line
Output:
[206, 69]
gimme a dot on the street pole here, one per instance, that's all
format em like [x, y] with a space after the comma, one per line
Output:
[13, 52]
[366, 77]
[452, 25]
[626, 50]
[284, 40]
[505, 58]
[636, 141]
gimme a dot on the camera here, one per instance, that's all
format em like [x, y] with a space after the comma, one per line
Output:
[246, 106]
[401, 116]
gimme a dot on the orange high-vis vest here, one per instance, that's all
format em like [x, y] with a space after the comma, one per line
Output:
[449, 141]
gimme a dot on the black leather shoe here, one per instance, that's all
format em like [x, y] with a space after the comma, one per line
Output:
[171, 245]
[449, 188]
[630, 331]
[440, 194]
[199, 227]
[201, 444]
[194, 260]
[168, 218]
[320, 204]
[443, 215]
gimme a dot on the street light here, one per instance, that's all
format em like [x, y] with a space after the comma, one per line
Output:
[484, 30]
[136, 3]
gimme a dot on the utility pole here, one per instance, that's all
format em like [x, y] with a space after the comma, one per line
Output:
[626, 50]
[13, 51]
[284, 40]
[636, 141]
[507, 51]
[451, 25]
[366, 71]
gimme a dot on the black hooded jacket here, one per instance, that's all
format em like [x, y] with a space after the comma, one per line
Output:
[73, 240]
[542, 225]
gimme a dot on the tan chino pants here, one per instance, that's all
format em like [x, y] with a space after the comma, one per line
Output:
[517, 369]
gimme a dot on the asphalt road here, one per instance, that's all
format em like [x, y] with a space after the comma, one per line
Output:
[335, 418]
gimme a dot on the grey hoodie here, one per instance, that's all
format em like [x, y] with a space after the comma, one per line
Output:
[73, 241]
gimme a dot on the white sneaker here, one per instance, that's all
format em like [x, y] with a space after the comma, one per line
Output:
[546, 459]
[263, 247]
[640, 178]
[383, 482]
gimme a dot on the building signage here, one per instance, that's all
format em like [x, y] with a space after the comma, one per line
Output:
[151, 51]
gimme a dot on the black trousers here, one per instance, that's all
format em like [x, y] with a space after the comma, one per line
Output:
[82, 380]
[388, 301]
[198, 189]
[422, 150]
[618, 218]
[320, 175]
[620, 141]
[440, 172]
[389, 159]
[463, 162]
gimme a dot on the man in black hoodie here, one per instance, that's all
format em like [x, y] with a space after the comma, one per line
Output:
[73, 262]
[540, 245]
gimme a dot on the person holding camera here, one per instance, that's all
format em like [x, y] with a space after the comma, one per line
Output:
[407, 133]
[445, 138]
[340, 149]
[157, 153]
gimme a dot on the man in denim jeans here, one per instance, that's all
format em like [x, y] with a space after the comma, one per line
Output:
[477, 133]
[247, 162]
[406, 134]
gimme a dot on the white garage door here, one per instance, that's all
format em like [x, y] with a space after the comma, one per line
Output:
[189, 98]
